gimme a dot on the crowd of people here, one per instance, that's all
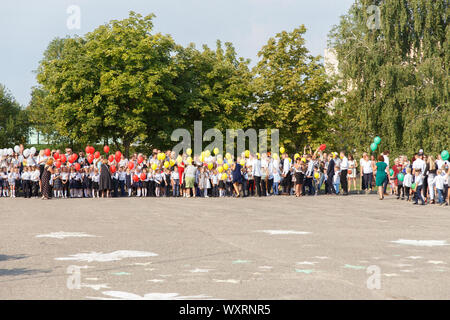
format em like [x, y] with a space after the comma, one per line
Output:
[56, 174]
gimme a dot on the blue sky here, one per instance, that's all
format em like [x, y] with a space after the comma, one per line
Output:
[27, 26]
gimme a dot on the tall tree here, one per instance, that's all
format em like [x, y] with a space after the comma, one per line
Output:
[394, 77]
[13, 120]
[292, 89]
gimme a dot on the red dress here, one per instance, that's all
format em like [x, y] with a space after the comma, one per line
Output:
[180, 172]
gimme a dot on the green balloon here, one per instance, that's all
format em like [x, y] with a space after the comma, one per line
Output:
[377, 140]
[413, 186]
[391, 172]
[401, 177]
[444, 155]
[373, 146]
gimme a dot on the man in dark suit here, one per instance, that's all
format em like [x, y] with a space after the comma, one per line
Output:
[330, 174]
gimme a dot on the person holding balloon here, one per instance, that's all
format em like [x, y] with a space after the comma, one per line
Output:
[381, 176]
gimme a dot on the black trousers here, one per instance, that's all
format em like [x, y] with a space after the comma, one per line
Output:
[258, 185]
[344, 181]
[35, 186]
[26, 185]
[367, 181]
[330, 185]
[269, 186]
[263, 187]
[286, 183]
[251, 187]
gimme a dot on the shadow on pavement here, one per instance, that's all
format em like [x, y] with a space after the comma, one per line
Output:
[21, 271]
[14, 257]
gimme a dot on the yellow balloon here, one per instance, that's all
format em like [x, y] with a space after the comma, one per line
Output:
[224, 176]
[172, 162]
[220, 169]
[166, 164]
[202, 158]
[189, 151]
[296, 156]
[243, 162]
[210, 166]
[228, 156]
[275, 156]
[189, 160]
[219, 160]
[207, 153]
[258, 155]
[304, 160]
[216, 150]
[154, 166]
[316, 175]
[247, 153]
[282, 150]
[225, 166]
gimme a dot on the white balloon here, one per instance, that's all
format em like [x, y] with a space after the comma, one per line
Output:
[26, 153]
[33, 150]
[1, 152]
[10, 151]
[16, 149]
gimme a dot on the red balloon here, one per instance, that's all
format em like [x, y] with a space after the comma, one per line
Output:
[92, 150]
[143, 176]
[113, 169]
[111, 158]
[56, 156]
[135, 178]
[71, 159]
[97, 155]
[118, 154]
[140, 159]
[63, 158]
[74, 157]
[323, 147]
[131, 165]
[77, 166]
[58, 164]
[88, 149]
[90, 158]
[106, 149]
[118, 159]
[47, 152]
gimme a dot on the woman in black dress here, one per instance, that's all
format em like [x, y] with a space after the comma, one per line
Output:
[45, 180]
[105, 183]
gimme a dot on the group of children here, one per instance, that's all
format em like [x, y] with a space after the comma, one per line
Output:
[422, 179]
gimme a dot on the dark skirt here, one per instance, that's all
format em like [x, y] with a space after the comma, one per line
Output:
[105, 179]
[299, 176]
[221, 184]
[45, 183]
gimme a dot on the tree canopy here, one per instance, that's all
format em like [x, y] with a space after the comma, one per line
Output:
[13, 120]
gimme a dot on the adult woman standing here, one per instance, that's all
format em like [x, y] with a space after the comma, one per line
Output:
[45, 180]
[105, 184]
[299, 176]
[237, 178]
[381, 176]
[189, 176]
[351, 172]
[431, 168]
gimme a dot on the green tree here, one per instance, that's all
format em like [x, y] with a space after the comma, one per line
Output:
[394, 79]
[13, 120]
[292, 90]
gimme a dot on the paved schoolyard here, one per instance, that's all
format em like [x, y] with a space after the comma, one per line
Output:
[325, 247]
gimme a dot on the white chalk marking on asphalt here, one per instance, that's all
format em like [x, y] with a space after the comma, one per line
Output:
[106, 257]
[156, 280]
[95, 286]
[321, 257]
[349, 266]
[307, 263]
[149, 269]
[422, 243]
[436, 262]
[142, 264]
[240, 261]
[404, 265]
[92, 279]
[406, 271]
[121, 273]
[415, 257]
[197, 270]
[265, 267]
[122, 295]
[226, 281]
[63, 235]
[307, 271]
[285, 232]
[390, 274]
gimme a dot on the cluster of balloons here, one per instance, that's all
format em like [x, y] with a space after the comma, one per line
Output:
[375, 143]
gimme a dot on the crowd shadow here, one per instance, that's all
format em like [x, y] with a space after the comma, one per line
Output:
[4, 257]
[21, 271]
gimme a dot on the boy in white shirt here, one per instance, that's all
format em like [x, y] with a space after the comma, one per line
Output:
[419, 184]
[407, 183]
